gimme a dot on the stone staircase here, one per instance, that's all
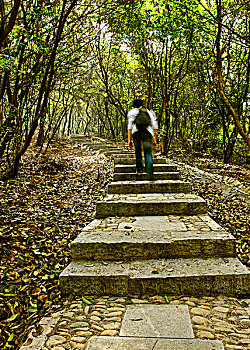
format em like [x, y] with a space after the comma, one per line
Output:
[98, 144]
[152, 237]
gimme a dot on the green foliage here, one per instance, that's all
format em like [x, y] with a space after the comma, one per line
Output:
[162, 51]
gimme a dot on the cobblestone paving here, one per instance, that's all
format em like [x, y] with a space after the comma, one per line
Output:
[221, 318]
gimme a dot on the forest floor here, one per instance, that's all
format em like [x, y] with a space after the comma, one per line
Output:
[226, 189]
[54, 197]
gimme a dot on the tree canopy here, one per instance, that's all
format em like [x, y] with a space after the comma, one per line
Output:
[76, 66]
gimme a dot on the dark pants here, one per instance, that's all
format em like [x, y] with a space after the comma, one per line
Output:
[143, 137]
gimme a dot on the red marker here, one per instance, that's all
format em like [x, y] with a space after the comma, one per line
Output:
[166, 105]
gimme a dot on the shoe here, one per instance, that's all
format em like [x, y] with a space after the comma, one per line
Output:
[139, 173]
[150, 176]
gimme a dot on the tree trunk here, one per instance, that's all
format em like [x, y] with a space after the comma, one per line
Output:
[109, 120]
[40, 136]
[220, 78]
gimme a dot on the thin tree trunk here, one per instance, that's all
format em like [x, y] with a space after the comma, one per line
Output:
[220, 77]
[44, 91]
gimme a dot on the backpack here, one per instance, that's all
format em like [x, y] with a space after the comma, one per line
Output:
[142, 119]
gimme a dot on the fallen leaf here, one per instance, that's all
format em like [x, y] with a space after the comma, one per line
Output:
[86, 301]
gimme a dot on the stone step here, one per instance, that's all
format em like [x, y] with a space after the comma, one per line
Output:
[89, 140]
[106, 150]
[176, 276]
[123, 168]
[145, 343]
[104, 147]
[129, 154]
[150, 204]
[156, 224]
[159, 186]
[79, 137]
[131, 161]
[118, 152]
[84, 141]
[134, 244]
[173, 175]
[142, 236]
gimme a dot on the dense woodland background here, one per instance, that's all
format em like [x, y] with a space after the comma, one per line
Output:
[76, 66]
[71, 66]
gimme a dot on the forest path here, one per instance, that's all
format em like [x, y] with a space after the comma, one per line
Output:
[77, 323]
[200, 256]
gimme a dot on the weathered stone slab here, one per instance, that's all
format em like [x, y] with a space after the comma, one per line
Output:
[115, 152]
[120, 343]
[154, 204]
[149, 238]
[168, 321]
[135, 343]
[131, 160]
[195, 344]
[152, 237]
[173, 175]
[210, 222]
[195, 223]
[104, 147]
[160, 186]
[123, 168]
[153, 224]
[94, 279]
[191, 277]
[84, 142]
[80, 137]
[174, 276]
[127, 156]
[87, 140]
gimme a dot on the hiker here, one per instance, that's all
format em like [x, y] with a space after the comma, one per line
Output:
[142, 128]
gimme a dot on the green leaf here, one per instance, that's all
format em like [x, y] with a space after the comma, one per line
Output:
[23, 287]
[32, 309]
[11, 337]
[15, 327]
[12, 318]
[166, 299]
[86, 301]
[112, 298]
[244, 304]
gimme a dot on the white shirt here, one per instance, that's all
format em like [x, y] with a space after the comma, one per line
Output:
[131, 120]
